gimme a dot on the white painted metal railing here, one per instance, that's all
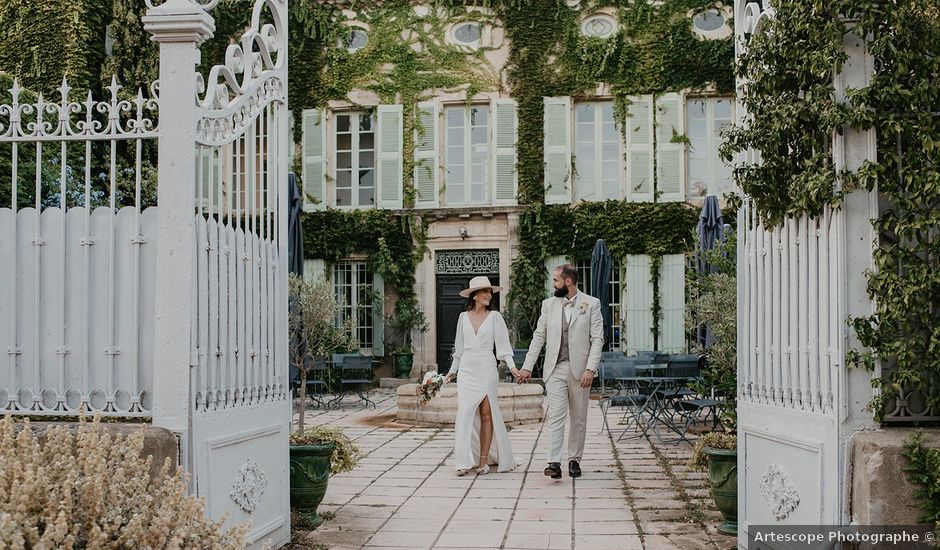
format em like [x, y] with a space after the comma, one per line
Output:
[791, 311]
[76, 305]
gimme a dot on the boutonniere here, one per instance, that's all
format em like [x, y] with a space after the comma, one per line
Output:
[583, 307]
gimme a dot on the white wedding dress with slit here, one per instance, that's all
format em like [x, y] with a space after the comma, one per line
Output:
[478, 378]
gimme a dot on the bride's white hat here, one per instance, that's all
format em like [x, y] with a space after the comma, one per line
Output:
[479, 283]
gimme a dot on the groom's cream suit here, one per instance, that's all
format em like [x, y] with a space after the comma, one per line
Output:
[585, 339]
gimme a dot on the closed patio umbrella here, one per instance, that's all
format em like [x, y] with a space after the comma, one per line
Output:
[295, 236]
[710, 229]
[600, 284]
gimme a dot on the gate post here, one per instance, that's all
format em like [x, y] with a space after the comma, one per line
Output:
[179, 26]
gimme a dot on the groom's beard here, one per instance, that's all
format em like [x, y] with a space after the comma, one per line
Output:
[561, 292]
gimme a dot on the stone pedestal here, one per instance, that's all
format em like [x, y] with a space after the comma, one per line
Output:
[396, 382]
[518, 403]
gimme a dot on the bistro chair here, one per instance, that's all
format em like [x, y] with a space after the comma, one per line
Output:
[355, 373]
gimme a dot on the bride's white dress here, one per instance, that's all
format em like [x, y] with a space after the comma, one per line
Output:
[478, 378]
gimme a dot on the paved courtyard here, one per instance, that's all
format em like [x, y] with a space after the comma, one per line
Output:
[634, 494]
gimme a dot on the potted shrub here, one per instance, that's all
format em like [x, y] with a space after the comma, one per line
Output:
[717, 453]
[314, 455]
[311, 321]
[406, 319]
[714, 295]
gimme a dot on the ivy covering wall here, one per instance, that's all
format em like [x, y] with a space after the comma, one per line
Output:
[654, 51]
[790, 70]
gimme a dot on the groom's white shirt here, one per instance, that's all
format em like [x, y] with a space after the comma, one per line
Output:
[585, 335]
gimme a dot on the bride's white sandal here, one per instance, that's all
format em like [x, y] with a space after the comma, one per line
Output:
[483, 470]
[464, 471]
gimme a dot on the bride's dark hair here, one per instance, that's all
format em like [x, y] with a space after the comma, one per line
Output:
[472, 304]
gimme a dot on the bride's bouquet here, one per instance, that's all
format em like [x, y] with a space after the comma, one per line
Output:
[429, 387]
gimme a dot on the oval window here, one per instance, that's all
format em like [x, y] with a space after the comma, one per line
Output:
[356, 39]
[599, 26]
[708, 21]
[468, 34]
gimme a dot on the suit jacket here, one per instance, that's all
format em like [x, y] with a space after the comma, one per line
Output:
[585, 335]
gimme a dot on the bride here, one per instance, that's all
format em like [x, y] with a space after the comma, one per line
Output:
[479, 421]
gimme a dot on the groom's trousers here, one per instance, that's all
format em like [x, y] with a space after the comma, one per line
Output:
[566, 395]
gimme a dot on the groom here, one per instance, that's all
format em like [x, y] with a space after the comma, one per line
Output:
[572, 331]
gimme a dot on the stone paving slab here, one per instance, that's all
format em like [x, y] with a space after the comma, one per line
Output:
[635, 494]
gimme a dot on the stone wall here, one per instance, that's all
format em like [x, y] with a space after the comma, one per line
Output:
[881, 493]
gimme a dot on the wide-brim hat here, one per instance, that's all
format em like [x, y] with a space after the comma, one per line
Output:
[479, 283]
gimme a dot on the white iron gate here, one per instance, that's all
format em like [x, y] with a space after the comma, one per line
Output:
[798, 283]
[234, 280]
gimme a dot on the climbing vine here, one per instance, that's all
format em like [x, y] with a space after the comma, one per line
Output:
[547, 230]
[790, 68]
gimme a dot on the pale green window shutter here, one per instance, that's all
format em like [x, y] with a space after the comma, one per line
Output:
[314, 270]
[638, 304]
[639, 149]
[427, 162]
[550, 264]
[557, 150]
[505, 133]
[389, 166]
[670, 156]
[378, 316]
[314, 159]
[672, 294]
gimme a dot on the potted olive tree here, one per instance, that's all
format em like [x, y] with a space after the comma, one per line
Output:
[714, 295]
[312, 322]
[406, 319]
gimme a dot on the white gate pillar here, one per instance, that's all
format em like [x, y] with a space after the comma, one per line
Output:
[179, 26]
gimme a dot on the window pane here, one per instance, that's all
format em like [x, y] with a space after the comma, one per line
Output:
[478, 135]
[478, 193]
[455, 116]
[343, 142]
[343, 161]
[367, 141]
[342, 123]
[343, 178]
[365, 123]
[366, 159]
[343, 197]
[366, 196]
[455, 192]
[584, 113]
[478, 116]
[366, 178]
[723, 109]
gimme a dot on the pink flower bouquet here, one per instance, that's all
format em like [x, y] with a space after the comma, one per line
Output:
[429, 387]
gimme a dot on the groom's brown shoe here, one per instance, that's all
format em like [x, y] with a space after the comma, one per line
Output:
[553, 470]
[574, 469]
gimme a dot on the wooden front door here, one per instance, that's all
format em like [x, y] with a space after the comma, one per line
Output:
[449, 306]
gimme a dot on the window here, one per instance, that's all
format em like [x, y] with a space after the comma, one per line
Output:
[469, 34]
[356, 39]
[584, 283]
[353, 288]
[707, 173]
[354, 160]
[467, 154]
[711, 24]
[599, 26]
[597, 152]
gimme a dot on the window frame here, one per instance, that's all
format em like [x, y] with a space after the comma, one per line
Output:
[600, 194]
[356, 269]
[354, 152]
[713, 143]
[467, 156]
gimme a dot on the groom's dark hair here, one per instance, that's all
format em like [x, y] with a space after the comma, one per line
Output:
[568, 271]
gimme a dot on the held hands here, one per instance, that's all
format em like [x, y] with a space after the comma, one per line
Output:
[522, 376]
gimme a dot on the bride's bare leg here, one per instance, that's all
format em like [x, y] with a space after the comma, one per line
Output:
[486, 431]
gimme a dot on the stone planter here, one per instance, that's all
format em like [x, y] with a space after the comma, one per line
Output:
[309, 475]
[518, 403]
[723, 478]
[403, 363]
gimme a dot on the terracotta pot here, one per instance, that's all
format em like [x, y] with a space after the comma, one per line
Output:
[309, 475]
[723, 478]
